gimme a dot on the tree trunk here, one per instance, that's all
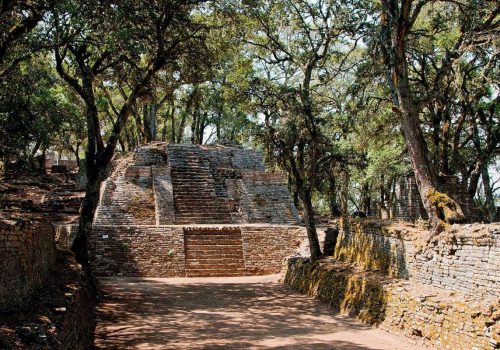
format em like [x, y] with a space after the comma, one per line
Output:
[36, 148]
[344, 197]
[305, 196]
[122, 144]
[439, 206]
[395, 26]
[89, 206]
[488, 193]
[77, 153]
[365, 198]
[146, 115]
[172, 120]
[153, 120]
[332, 198]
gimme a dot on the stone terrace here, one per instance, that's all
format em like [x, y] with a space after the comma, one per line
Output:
[191, 210]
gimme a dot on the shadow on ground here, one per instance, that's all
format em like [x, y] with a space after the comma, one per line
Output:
[162, 314]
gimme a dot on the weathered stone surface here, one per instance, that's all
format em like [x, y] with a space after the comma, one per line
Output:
[463, 258]
[192, 210]
[444, 320]
[175, 251]
[59, 316]
[27, 254]
[193, 184]
[407, 205]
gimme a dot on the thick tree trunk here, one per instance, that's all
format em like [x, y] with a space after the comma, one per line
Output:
[314, 247]
[439, 206]
[89, 206]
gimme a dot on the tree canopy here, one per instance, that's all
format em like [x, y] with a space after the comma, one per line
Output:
[344, 96]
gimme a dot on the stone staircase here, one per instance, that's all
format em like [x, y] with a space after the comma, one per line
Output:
[64, 200]
[195, 195]
[211, 252]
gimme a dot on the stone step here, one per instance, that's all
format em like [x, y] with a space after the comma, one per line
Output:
[190, 220]
[217, 255]
[200, 243]
[214, 273]
[213, 263]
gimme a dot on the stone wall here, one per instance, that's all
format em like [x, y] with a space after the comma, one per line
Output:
[154, 251]
[265, 247]
[441, 319]
[463, 258]
[160, 251]
[27, 254]
[76, 326]
[65, 234]
[408, 206]
[192, 184]
[164, 199]
[59, 316]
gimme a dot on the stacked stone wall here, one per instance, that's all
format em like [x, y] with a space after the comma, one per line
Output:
[265, 247]
[163, 195]
[76, 327]
[187, 184]
[159, 251]
[27, 254]
[190, 186]
[128, 199]
[408, 204]
[464, 258]
[153, 251]
[441, 319]
[59, 316]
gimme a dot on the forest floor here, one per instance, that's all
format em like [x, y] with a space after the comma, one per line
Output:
[226, 313]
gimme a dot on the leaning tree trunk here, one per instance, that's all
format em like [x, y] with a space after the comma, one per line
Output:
[439, 206]
[396, 21]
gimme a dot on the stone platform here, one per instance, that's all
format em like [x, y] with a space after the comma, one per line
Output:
[192, 251]
[191, 210]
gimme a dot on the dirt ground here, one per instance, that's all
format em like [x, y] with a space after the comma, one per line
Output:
[225, 313]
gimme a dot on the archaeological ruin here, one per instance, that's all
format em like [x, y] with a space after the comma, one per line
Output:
[170, 210]
[191, 210]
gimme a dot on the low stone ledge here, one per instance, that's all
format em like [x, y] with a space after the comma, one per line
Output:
[445, 320]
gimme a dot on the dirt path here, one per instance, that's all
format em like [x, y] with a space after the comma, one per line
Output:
[225, 313]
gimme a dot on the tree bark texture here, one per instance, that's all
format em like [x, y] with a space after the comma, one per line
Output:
[396, 23]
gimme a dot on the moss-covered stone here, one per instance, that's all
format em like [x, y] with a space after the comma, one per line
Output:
[441, 319]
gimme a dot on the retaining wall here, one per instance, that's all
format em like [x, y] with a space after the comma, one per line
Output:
[159, 251]
[463, 258]
[27, 254]
[441, 319]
